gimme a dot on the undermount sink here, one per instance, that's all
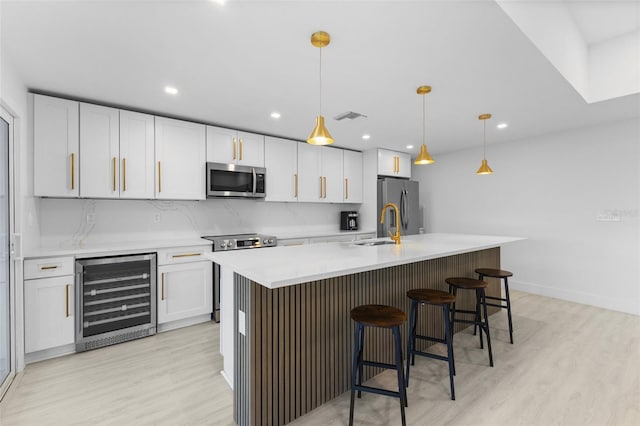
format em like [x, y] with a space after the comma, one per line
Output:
[374, 243]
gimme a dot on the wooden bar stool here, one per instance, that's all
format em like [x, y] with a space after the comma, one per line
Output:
[502, 275]
[479, 286]
[440, 299]
[383, 317]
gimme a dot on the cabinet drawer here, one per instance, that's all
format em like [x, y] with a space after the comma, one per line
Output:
[183, 254]
[48, 267]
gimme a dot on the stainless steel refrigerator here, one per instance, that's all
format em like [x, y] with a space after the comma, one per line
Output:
[403, 193]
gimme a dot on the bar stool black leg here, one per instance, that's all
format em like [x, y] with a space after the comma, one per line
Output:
[453, 291]
[411, 340]
[486, 325]
[360, 358]
[475, 326]
[447, 336]
[506, 293]
[402, 389]
[478, 318]
[354, 369]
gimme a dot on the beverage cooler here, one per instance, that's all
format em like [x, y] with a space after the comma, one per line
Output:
[115, 299]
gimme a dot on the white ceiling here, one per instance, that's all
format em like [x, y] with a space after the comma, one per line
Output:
[600, 21]
[237, 63]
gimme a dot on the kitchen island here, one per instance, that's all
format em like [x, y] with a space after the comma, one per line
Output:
[290, 308]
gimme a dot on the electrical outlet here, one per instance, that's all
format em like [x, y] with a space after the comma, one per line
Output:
[241, 323]
[157, 217]
[91, 218]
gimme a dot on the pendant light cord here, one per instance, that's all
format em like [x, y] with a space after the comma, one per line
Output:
[320, 80]
[484, 136]
[424, 120]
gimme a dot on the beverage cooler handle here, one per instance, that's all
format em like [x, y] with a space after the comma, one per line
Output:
[78, 301]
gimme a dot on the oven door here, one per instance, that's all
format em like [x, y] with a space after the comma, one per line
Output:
[231, 180]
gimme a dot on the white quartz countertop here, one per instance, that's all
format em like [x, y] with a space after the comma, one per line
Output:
[283, 266]
[122, 247]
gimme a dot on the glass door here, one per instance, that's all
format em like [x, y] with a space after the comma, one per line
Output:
[7, 325]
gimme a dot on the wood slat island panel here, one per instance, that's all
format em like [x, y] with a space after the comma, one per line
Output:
[296, 352]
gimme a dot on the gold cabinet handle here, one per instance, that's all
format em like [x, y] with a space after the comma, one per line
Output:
[240, 149]
[67, 298]
[44, 268]
[73, 171]
[320, 186]
[159, 178]
[124, 174]
[324, 179]
[346, 188]
[115, 182]
[295, 185]
[185, 255]
[162, 280]
[234, 148]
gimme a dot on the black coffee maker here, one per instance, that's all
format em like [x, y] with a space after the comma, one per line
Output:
[348, 221]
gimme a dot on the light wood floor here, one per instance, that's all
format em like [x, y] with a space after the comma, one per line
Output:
[571, 364]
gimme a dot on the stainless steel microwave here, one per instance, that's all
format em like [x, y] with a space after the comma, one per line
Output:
[235, 181]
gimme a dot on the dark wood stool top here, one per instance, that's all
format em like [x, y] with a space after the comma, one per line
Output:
[432, 297]
[494, 273]
[378, 315]
[469, 283]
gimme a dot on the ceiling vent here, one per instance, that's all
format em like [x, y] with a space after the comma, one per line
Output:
[349, 114]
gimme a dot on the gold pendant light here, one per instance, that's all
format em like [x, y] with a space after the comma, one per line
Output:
[423, 157]
[484, 167]
[320, 135]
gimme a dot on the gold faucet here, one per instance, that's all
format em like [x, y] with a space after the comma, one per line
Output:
[395, 237]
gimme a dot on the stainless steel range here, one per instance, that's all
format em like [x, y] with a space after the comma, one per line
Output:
[234, 242]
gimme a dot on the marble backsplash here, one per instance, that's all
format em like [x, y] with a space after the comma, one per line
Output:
[70, 223]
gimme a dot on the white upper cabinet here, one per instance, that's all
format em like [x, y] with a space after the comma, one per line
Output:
[310, 184]
[332, 175]
[230, 146]
[137, 158]
[116, 153]
[281, 162]
[393, 163]
[180, 159]
[352, 169]
[99, 151]
[56, 147]
[319, 173]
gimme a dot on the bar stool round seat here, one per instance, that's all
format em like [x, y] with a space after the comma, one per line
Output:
[479, 286]
[494, 273]
[502, 275]
[380, 316]
[441, 299]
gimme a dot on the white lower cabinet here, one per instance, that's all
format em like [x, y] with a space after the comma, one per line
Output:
[49, 313]
[184, 290]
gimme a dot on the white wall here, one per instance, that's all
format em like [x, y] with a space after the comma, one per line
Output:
[551, 189]
[63, 222]
[13, 96]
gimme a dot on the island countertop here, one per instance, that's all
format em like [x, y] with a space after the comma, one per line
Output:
[284, 266]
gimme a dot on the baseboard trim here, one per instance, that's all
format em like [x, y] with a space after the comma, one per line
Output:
[625, 304]
[184, 322]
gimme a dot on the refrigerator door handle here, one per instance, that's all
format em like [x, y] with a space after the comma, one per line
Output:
[401, 209]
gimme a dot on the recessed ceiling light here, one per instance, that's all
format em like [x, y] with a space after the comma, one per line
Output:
[220, 2]
[502, 126]
[366, 137]
[275, 114]
[170, 90]
[409, 146]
